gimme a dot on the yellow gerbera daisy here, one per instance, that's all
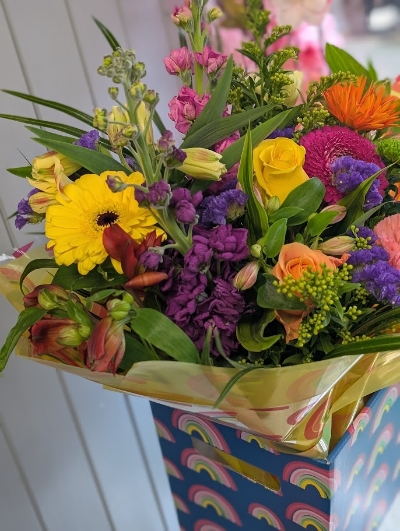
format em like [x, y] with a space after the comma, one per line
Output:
[75, 226]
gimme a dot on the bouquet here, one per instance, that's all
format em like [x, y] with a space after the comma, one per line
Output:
[250, 272]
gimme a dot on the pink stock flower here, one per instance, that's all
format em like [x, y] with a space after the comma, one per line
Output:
[106, 346]
[213, 62]
[388, 232]
[182, 16]
[185, 108]
[179, 61]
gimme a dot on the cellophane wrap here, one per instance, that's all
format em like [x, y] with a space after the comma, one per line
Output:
[302, 408]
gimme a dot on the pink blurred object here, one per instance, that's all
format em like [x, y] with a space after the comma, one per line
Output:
[295, 12]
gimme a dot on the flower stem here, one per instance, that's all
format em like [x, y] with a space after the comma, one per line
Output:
[198, 46]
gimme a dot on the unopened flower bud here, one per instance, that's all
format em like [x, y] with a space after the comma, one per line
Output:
[113, 92]
[273, 205]
[118, 309]
[48, 301]
[139, 70]
[247, 276]
[107, 61]
[69, 336]
[214, 13]
[202, 163]
[255, 250]
[341, 212]
[100, 119]
[165, 142]
[115, 183]
[114, 130]
[151, 97]
[337, 246]
[131, 131]
[183, 18]
[138, 90]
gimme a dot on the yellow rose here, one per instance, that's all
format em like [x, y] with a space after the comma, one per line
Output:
[278, 167]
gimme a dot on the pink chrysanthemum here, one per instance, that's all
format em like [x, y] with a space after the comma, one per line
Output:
[325, 145]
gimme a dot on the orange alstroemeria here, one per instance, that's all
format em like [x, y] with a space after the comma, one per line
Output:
[361, 108]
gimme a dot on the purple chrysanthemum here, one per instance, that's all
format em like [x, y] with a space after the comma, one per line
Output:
[227, 206]
[89, 140]
[325, 145]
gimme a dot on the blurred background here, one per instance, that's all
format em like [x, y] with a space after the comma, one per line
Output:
[73, 456]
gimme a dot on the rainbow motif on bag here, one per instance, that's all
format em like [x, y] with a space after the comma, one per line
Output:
[197, 462]
[163, 432]
[302, 475]
[263, 513]
[206, 525]
[379, 447]
[310, 517]
[172, 469]
[180, 504]
[359, 424]
[378, 513]
[376, 483]
[206, 497]
[355, 505]
[384, 407]
[262, 443]
[191, 424]
[396, 470]
[355, 470]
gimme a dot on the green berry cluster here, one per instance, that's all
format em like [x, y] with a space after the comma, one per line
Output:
[361, 296]
[348, 338]
[314, 118]
[353, 313]
[360, 243]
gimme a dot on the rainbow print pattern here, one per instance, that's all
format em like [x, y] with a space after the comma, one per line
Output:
[376, 484]
[206, 497]
[379, 447]
[356, 469]
[180, 504]
[310, 517]
[396, 472]
[163, 431]
[262, 443]
[378, 513]
[194, 424]
[387, 402]
[304, 475]
[172, 469]
[197, 462]
[207, 525]
[263, 513]
[354, 507]
[359, 424]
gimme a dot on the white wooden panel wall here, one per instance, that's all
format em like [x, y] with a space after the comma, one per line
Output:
[72, 456]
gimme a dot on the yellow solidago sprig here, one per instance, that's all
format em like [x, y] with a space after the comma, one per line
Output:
[75, 225]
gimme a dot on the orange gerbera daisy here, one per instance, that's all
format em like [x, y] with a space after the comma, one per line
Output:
[360, 108]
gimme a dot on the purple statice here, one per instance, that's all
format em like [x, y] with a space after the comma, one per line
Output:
[25, 214]
[367, 234]
[381, 280]
[184, 205]
[227, 206]
[157, 196]
[349, 173]
[287, 132]
[368, 256]
[132, 163]
[89, 140]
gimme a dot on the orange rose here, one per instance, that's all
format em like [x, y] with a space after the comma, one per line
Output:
[296, 258]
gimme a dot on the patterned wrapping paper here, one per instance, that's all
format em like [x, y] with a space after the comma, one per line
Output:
[351, 491]
[290, 406]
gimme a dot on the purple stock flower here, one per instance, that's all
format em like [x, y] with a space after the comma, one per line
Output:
[89, 140]
[185, 212]
[227, 206]
[287, 132]
[166, 141]
[151, 260]
[348, 173]
[228, 243]
[132, 163]
[175, 158]
[158, 195]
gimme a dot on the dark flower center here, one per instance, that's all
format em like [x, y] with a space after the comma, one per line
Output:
[106, 219]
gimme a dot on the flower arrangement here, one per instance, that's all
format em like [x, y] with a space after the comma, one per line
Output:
[223, 271]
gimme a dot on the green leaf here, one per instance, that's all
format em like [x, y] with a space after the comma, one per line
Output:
[378, 323]
[79, 115]
[382, 343]
[233, 381]
[318, 223]
[68, 277]
[23, 171]
[221, 128]
[232, 154]
[341, 61]
[268, 297]
[155, 328]
[104, 294]
[112, 41]
[135, 352]
[373, 74]
[40, 263]
[286, 212]
[205, 353]
[159, 123]
[250, 333]
[68, 129]
[308, 196]
[93, 161]
[26, 319]
[256, 219]
[359, 222]
[216, 104]
[273, 241]
[47, 135]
